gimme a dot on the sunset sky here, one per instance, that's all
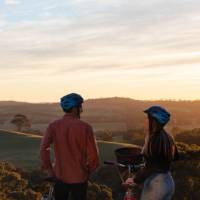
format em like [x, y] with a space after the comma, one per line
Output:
[148, 49]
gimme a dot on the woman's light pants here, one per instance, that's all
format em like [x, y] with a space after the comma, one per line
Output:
[158, 186]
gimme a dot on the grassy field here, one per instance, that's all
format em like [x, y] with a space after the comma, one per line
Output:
[23, 150]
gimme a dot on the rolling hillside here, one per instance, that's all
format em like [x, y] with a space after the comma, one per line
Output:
[106, 112]
[23, 150]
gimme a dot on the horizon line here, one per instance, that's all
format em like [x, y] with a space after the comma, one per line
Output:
[114, 97]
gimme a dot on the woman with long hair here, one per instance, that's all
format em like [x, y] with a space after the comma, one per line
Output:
[159, 152]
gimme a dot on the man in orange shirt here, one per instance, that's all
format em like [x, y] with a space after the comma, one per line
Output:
[75, 151]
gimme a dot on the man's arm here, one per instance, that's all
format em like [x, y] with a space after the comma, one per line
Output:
[92, 151]
[45, 150]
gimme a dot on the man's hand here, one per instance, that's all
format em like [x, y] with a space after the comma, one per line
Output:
[50, 172]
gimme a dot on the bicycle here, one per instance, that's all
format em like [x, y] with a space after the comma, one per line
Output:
[49, 195]
[129, 160]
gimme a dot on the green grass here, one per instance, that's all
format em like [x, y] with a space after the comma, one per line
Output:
[23, 151]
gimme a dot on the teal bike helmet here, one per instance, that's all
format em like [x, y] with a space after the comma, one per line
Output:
[159, 113]
[70, 101]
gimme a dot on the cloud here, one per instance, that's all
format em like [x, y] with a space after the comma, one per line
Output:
[142, 49]
[107, 35]
[3, 22]
[12, 2]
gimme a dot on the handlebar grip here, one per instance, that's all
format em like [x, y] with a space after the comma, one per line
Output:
[109, 163]
[114, 164]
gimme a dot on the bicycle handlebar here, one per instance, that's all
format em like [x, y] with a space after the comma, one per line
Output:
[115, 164]
[123, 165]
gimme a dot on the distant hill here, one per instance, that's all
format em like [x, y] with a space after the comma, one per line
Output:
[127, 112]
[23, 150]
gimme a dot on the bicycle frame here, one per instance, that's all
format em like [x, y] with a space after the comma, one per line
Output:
[129, 195]
[49, 196]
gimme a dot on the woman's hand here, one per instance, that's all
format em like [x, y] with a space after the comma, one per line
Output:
[128, 182]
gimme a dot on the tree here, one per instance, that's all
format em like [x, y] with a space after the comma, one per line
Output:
[105, 135]
[21, 121]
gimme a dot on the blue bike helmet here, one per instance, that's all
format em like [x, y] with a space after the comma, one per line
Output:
[158, 113]
[70, 101]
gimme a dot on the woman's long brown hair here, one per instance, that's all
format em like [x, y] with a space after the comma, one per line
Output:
[159, 145]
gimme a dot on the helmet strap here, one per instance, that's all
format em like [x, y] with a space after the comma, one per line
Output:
[79, 112]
